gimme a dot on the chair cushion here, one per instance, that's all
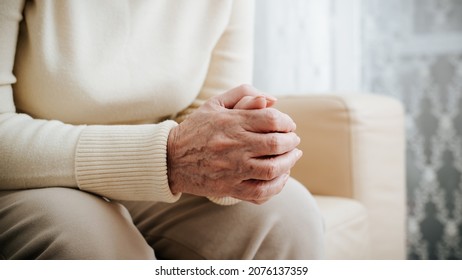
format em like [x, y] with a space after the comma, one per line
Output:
[346, 228]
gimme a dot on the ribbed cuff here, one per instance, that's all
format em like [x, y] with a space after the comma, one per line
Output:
[125, 162]
[225, 201]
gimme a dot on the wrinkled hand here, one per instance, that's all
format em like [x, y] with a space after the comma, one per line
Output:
[219, 151]
[246, 103]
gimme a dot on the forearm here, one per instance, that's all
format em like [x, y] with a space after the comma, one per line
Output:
[119, 162]
[36, 153]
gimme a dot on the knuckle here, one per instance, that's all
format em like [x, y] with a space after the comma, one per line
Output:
[246, 89]
[273, 143]
[217, 145]
[270, 171]
[272, 118]
[279, 188]
[271, 114]
[259, 193]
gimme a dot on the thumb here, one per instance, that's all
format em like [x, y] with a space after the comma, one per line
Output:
[254, 102]
[230, 98]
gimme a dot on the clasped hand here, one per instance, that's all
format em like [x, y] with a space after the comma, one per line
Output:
[221, 150]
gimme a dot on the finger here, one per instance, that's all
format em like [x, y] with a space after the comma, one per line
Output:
[283, 183]
[270, 144]
[270, 101]
[267, 120]
[269, 168]
[230, 98]
[255, 102]
[283, 178]
[251, 102]
[259, 191]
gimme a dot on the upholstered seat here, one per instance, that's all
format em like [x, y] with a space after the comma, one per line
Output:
[346, 227]
[353, 162]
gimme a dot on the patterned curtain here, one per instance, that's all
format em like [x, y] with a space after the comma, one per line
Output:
[412, 50]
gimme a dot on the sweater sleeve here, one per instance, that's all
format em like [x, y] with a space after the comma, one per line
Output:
[118, 162]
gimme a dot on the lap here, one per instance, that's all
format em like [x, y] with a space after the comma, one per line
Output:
[62, 223]
[288, 226]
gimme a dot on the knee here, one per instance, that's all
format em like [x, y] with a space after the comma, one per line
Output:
[59, 223]
[290, 226]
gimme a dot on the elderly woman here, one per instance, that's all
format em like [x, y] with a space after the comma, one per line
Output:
[124, 126]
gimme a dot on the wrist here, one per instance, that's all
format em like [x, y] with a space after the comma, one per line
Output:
[174, 187]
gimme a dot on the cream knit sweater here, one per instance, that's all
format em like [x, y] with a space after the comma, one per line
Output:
[87, 87]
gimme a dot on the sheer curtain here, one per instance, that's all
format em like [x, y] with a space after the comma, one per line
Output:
[409, 49]
[307, 46]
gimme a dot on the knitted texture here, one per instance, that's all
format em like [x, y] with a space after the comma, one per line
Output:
[125, 162]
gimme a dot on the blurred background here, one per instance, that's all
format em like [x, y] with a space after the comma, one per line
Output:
[408, 49]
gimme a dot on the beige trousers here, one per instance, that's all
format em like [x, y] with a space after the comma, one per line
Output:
[62, 223]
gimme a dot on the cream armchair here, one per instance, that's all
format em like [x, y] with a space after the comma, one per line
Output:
[353, 163]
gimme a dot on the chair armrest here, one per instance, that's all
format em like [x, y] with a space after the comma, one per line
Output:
[354, 147]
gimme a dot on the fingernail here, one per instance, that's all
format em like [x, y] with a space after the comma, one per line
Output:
[260, 97]
[271, 98]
